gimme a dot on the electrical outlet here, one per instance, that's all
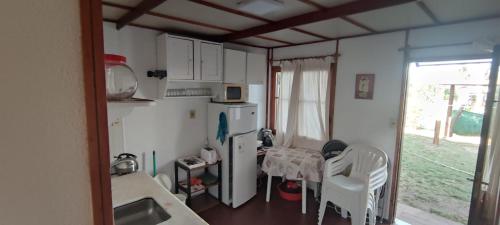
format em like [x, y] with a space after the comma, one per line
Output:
[192, 114]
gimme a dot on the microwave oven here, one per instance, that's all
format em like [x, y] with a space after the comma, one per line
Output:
[231, 93]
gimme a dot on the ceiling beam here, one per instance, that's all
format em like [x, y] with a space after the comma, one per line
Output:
[141, 9]
[182, 33]
[345, 18]
[328, 13]
[428, 12]
[469, 20]
[313, 4]
[179, 19]
[231, 10]
[252, 16]
[358, 24]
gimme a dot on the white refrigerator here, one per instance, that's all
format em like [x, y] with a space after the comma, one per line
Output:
[239, 151]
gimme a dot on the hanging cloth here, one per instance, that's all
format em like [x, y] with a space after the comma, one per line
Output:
[222, 130]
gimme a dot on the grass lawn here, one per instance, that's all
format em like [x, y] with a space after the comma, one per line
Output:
[429, 186]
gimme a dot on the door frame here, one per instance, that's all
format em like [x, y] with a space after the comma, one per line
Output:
[401, 123]
[475, 205]
[96, 110]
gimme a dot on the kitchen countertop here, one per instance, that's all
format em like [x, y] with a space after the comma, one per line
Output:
[132, 187]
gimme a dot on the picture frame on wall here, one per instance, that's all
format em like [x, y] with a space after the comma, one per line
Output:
[364, 86]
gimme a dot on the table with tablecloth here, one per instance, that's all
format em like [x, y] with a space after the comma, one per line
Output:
[293, 164]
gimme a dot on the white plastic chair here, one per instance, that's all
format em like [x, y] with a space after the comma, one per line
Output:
[356, 193]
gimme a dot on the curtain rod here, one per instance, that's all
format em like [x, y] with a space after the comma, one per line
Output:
[310, 57]
[436, 46]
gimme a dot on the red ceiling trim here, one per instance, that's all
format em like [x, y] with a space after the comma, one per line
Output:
[141, 9]
[320, 15]
[190, 22]
[252, 16]
[345, 18]
[428, 12]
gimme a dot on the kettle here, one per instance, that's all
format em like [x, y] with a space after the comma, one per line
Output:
[124, 163]
[267, 137]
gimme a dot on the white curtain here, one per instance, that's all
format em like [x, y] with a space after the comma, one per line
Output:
[283, 94]
[302, 108]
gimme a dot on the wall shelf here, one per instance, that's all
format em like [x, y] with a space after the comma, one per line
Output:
[133, 102]
[194, 81]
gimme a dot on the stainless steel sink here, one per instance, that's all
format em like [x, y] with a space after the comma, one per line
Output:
[142, 212]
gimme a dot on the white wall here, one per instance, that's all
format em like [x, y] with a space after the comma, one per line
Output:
[257, 94]
[316, 49]
[369, 121]
[167, 129]
[245, 48]
[44, 174]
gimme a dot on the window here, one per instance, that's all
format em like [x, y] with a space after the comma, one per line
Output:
[312, 116]
[310, 107]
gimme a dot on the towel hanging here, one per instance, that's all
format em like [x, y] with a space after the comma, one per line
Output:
[222, 130]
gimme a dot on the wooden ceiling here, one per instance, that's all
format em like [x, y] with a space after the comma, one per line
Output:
[299, 22]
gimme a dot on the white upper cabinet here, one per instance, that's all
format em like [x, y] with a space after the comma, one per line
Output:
[256, 68]
[234, 66]
[211, 61]
[180, 58]
[188, 59]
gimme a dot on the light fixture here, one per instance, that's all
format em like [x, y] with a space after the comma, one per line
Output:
[260, 7]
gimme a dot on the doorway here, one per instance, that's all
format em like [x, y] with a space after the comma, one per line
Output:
[444, 114]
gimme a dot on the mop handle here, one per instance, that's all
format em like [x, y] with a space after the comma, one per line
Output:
[154, 163]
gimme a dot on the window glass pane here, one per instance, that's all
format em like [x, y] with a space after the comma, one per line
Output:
[313, 104]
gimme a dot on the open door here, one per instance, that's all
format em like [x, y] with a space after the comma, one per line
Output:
[484, 204]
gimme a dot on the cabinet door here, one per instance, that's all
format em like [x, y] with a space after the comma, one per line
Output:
[211, 61]
[180, 58]
[234, 66]
[256, 68]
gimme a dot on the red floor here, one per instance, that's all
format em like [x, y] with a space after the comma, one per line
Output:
[278, 211]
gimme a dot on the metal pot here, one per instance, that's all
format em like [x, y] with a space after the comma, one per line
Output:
[125, 163]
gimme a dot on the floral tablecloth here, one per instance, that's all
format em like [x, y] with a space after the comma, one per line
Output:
[294, 163]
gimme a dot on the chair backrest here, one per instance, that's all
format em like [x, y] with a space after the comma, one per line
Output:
[333, 148]
[367, 162]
